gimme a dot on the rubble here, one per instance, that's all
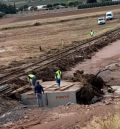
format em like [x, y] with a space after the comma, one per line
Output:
[7, 104]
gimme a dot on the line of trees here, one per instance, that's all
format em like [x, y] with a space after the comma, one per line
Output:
[78, 4]
[7, 9]
[55, 5]
[91, 5]
[91, 1]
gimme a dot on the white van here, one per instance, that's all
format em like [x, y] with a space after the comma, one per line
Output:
[109, 15]
[101, 20]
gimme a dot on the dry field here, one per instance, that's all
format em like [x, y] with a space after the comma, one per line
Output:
[22, 40]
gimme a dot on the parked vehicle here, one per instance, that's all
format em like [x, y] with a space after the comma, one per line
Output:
[101, 20]
[41, 7]
[2, 14]
[30, 8]
[109, 15]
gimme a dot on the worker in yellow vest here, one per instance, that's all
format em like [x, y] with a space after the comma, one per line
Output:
[92, 33]
[58, 75]
[32, 79]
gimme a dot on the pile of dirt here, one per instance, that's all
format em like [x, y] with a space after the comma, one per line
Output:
[93, 87]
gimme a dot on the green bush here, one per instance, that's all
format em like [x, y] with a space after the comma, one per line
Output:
[50, 6]
[7, 9]
[56, 4]
[74, 3]
[24, 7]
[91, 5]
[63, 4]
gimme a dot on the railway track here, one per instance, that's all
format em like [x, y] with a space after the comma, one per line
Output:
[42, 63]
[50, 59]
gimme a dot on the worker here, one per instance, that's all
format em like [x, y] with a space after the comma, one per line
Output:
[32, 79]
[38, 92]
[92, 33]
[58, 75]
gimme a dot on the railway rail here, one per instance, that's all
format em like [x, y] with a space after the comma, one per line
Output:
[43, 62]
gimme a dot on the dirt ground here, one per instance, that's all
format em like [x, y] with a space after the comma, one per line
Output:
[62, 117]
[26, 42]
[20, 43]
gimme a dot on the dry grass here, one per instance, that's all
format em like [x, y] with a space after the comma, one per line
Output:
[26, 41]
[111, 122]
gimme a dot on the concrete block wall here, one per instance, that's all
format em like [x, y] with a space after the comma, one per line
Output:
[51, 99]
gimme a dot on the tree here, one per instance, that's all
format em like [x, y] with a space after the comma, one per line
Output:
[91, 1]
[50, 6]
[24, 7]
[7, 9]
[73, 4]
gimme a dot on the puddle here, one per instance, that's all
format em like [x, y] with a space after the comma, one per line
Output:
[106, 56]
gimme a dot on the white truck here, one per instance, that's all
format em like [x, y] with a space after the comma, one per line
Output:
[101, 21]
[109, 15]
[41, 7]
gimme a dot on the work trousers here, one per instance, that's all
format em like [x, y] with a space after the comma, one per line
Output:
[58, 81]
[32, 83]
[39, 99]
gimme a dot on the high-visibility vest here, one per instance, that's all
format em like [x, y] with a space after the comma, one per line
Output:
[31, 76]
[92, 33]
[58, 74]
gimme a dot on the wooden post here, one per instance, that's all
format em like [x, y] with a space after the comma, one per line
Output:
[40, 48]
[62, 43]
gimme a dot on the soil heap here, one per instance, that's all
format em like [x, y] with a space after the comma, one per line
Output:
[93, 87]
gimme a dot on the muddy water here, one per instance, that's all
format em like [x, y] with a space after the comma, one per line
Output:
[106, 56]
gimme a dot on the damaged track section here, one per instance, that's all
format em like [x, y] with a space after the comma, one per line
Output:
[79, 53]
[64, 59]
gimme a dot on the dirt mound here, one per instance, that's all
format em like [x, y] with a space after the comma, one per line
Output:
[93, 87]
